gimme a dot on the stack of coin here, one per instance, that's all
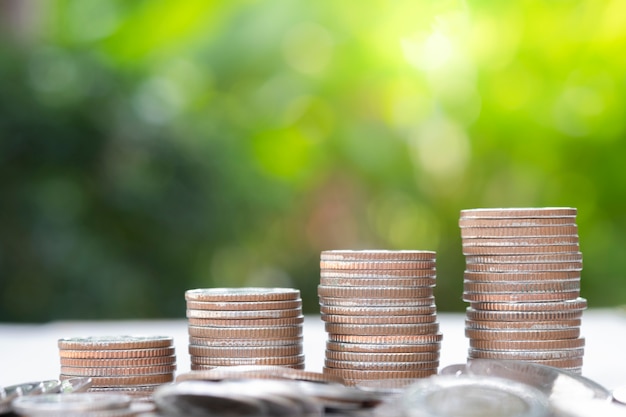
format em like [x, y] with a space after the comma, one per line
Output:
[132, 365]
[380, 314]
[245, 326]
[522, 280]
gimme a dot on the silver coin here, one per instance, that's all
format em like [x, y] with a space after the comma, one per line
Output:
[70, 403]
[455, 396]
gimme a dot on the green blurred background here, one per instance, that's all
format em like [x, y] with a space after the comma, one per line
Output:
[149, 147]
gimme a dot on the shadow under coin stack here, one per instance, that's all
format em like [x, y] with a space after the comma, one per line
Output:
[131, 365]
[380, 314]
[245, 326]
[522, 280]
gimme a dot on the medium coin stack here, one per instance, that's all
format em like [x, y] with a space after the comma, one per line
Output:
[244, 326]
[380, 314]
[133, 365]
[522, 280]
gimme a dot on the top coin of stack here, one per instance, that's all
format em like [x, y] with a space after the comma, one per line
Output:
[245, 326]
[522, 280]
[380, 314]
[133, 365]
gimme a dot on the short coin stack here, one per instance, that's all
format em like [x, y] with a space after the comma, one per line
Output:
[380, 314]
[133, 365]
[245, 326]
[522, 280]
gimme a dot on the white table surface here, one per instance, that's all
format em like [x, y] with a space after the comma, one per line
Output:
[29, 352]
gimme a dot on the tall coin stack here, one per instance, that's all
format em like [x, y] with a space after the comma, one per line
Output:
[522, 280]
[132, 365]
[245, 326]
[380, 314]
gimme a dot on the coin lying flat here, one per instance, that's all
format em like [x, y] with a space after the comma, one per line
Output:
[524, 259]
[538, 267]
[277, 332]
[525, 276]
[528, 345]
[242, 294]
[522, 286]
[242, 314]
[383, 255]
[382, 357]
[526, 355]
[377, 311]
[577, 304]
[520, 241]
[382, 329]
[394, 339]
[240, 306]
[244, 342]
[367, 374]
[246, 323]
[263, 360]
[379, 348]
[376, 265]
[526, 297]
[414, 319]
[115, 342]
[116, 353]
[119, 371]
[518, 212]
[519, 250]
[378, 282]
[379, 274]
[372, 302]
[566, 333]
[529, 325]
[155, 379]
[258, 372]
[484, 315]
[517, 222]
[245, 351]
[116, 363]
[374, 292]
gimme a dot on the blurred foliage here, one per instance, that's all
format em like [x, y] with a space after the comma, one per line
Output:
[149, 147]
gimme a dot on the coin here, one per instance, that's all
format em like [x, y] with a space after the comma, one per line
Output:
[369, 255]
[510, 325]
[379, 274]
[374, 292]
[199, 367]
[382, 347]
[124, 362]
[245, 352]
[524, 345]
[577, 304]
[245, 332]
[522, 212]
[559, 363]
[379, 319]
[115, 342]
[265, 360]
[518, 222]
[522, 241]
[127, 380]
[381, 366]
[524, 259]
[522, 286]
[247, 323]
[116, 353]
[395, 339]
[519, 250]
[563, 266]
[571, 333]
[258, 372]
[236, 306]
[377, 265]
[70, 403]
[381, 329]
[379, 282]
[117, 371]
[244, 342]
[382, 357]
[359, 374]
[533, 297]
[525, 355]
[522, 315]
[389, 302]
[377, 311]
[513, 232]
[242, 294]
[527, 276]
[243, 314]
